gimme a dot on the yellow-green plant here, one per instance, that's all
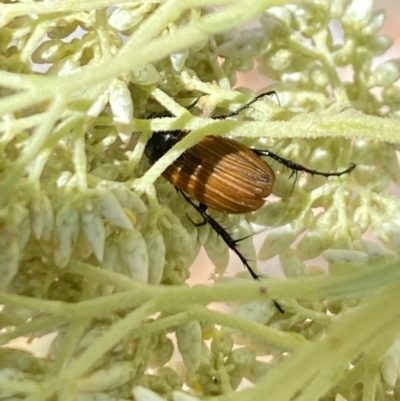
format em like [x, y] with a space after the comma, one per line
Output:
[95, 248]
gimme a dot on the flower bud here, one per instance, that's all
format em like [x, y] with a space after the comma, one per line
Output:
[279, 239]
[93, 227]
[50, 51]
[190, 344]
[144, 394]
[63, 29]
[108, 378]
[122, 109]
[345, 255]
[374, 24]
[390, 364]
[147, 75]
[181, 396]
[260, 311]
[66, 233]
[357, 14]
[314, 242]
[156, 251]
[133, 254]
[162, 352]
[111, 209]
[222, 342]
[385, 74]
[291, 263]
[9, 259]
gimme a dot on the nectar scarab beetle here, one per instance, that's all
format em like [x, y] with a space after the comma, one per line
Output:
[220, 173]
[223, 174]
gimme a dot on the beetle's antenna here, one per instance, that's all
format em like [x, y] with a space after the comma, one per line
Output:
[245, 106]
[226, 237]
[298, 167]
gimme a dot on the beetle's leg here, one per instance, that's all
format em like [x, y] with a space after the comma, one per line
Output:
[298, 167]
[203, 223]
[245, 106]
[241, 239]
[227, 238]
[200, 206]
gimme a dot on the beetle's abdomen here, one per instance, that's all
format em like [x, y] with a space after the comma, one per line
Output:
[223, 174]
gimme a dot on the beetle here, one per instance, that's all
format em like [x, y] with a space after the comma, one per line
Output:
[223, 174]
[216, 168]
[220, 173]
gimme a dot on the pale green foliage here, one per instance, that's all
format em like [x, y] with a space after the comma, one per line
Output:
[88, 232]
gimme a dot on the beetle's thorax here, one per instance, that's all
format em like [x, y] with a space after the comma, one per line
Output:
[160, 143]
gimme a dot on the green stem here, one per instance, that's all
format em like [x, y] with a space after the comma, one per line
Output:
[308, 369]
[68, 345]
[44, 324]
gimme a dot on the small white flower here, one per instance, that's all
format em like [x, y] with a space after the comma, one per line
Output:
[385, 74]
[374, 249]
[259, 311]
[124, 19]
[240, 361]
[144, 394]
[147, 75]
[375, 23]
[190, 344]
[279, 239]
[122, 109]
[178, 60]
[93, 227]
[50, 51]
[162, 352]
[217, 251]
[181, 396]
[390, 364]
[111, 209]
[42, 217]
[345, 255]
[291, 264]
[93, 397]
[314, 243]
[207, 360]
[108, 378]
[128, 198]
[98, 105]
[22, 220]
[9, 260]
[111, 260]
[133, 254]
[358, 13]
[156, 251]
[11, 374]
[222, 342]
[393, 235]
[67, 228]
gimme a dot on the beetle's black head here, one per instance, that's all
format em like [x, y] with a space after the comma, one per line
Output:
[160, 143]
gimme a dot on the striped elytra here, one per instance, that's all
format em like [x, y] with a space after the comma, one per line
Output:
[220, 173]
